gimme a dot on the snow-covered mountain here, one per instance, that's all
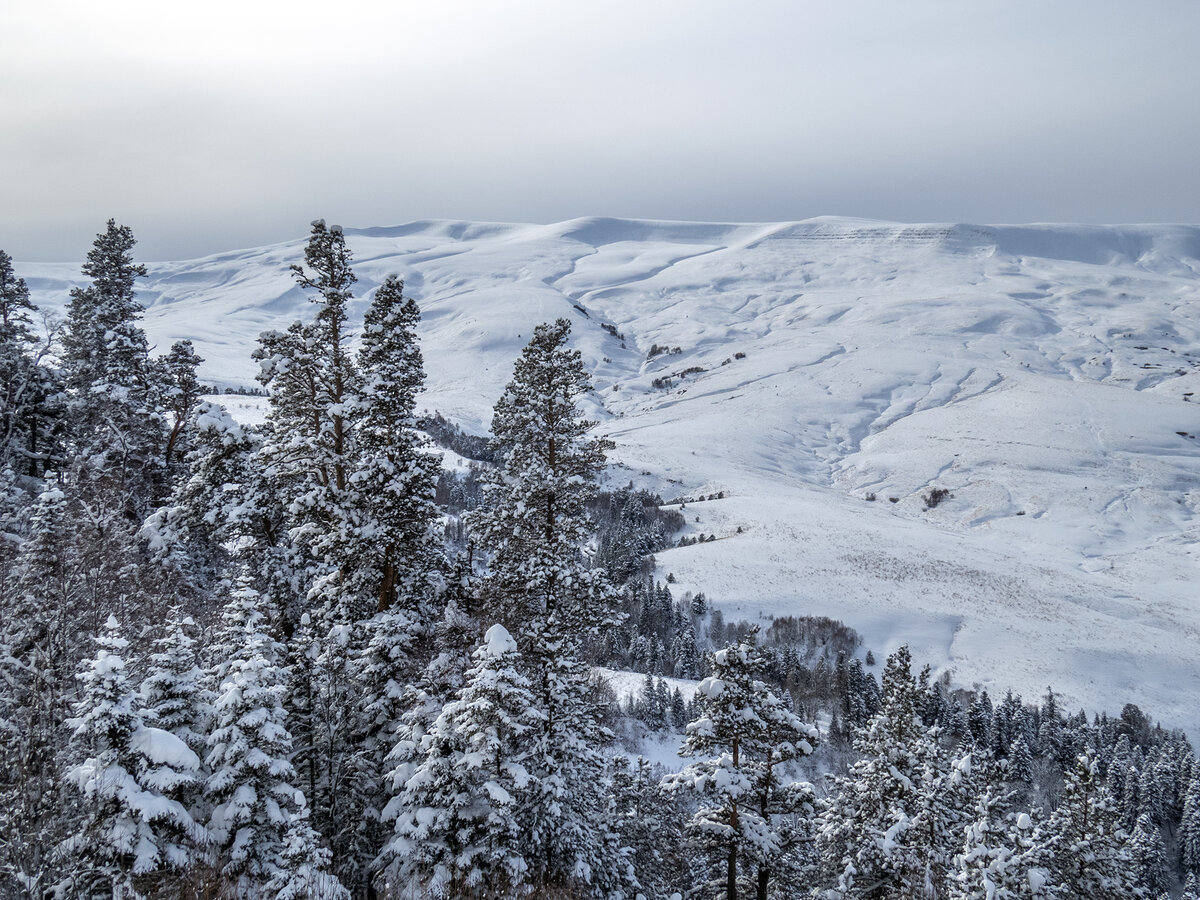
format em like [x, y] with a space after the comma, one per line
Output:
[1043, 375]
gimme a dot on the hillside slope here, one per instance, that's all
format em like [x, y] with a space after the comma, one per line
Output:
[1044, 375]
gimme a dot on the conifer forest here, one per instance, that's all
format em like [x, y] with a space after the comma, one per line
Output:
[302, 660]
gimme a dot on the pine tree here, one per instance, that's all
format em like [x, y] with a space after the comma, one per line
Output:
[255, 807]
[175, 699]
[1149, 856]
[541, 588]
[1189, 829]
[119, 434]
[130, 829]
[1089, 852]
[179, 394]
[896, 820]
[28, 408]
[459, 831]
[1000, 859]
[308, 441]
[747, 733]
[399, 534]
[651, 826]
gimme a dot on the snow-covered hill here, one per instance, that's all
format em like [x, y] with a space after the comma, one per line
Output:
[1044, 375]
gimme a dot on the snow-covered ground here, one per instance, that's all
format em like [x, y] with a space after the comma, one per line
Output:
[1044, 375]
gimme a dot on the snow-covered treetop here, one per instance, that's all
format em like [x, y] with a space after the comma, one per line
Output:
[498, 641]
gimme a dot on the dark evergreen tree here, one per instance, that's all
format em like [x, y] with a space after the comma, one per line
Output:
[540, 586]
[28, 404]
[1149, 856]
[257, 821]
[897, 819]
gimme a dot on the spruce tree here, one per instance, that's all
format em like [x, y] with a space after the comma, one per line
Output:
[397, 534]
[540, 587]
[459, 829]
[1000, 859]
[118, 433]
[308, 441]
[130, 830]
[748, 734]
[1089, 852]
[28, 404]
[1149, 856]
[896, 820]
[256, 808]
[1189, 829]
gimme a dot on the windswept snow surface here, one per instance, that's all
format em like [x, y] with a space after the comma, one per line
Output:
[1042, 374]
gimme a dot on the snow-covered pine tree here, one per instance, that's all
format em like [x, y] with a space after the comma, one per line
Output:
[539, 585]
[395, 565]
[1089, 853]
[131, 834]
[398, 537]
[39, 631]
[27, 388]
[1000, 860]
[1189, 828]
[255, 807]
[1149, 856]
[304, 870]
[118, 435]
[747, 733]
[650, 824]
[308, 441]
[896, 820]
[399, 718]
[459, 830]
[178, 395]
[175, 697]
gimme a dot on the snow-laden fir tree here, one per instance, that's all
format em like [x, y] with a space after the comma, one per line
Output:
[178, 395]
[458, 831]
[395, 562]
[1089, 853]
[400, 710]
[118, 434]
[131, 833]
[651, 824]
[307, 449]
[748, 736]
[257, 813]
[397, 533]
[1189, 828]
[1000, 858]
[1149, 856]
[896, 820]
[541, 588]
[40, 630]
[175, 697]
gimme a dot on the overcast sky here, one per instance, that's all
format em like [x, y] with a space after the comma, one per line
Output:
[229, 124]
